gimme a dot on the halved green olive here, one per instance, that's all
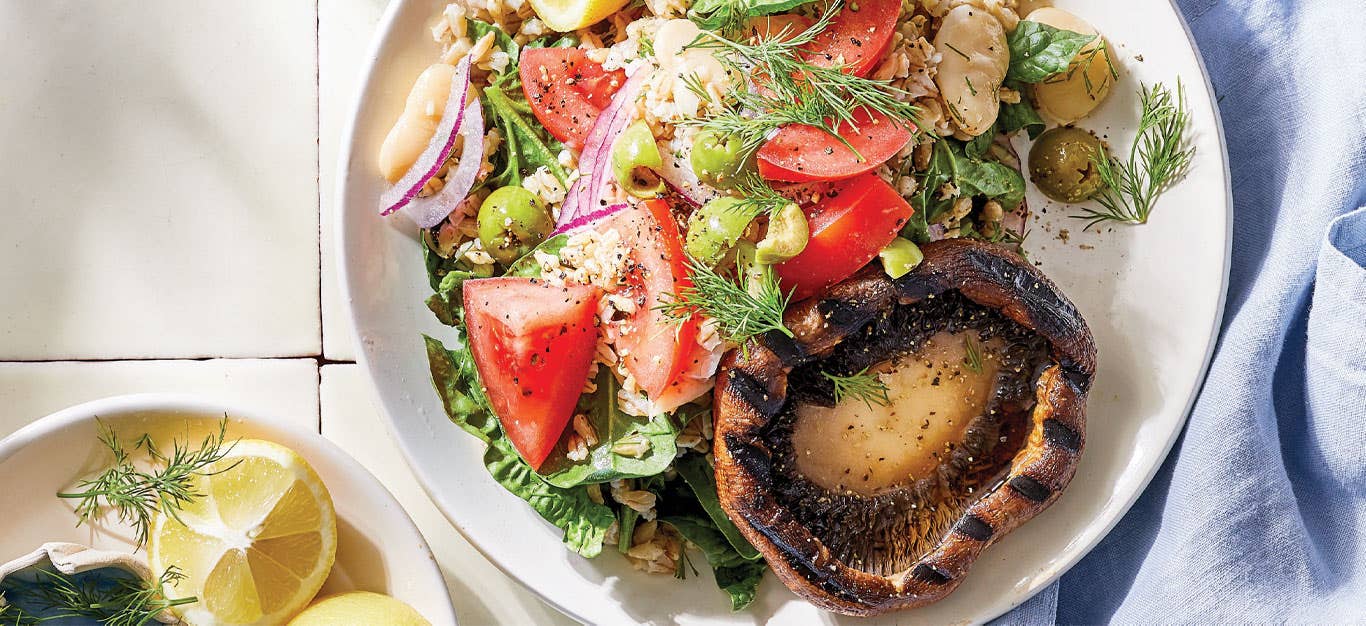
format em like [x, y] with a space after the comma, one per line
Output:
[634, 151]
[512, 221]
[1060, 164]
[788, 235]
[717, 159]
[715, 227]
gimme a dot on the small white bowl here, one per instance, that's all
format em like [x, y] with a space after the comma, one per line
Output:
[378, 547]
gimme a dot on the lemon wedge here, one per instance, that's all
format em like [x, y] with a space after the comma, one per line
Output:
[257, 546]
[569, 15]
[359, 608]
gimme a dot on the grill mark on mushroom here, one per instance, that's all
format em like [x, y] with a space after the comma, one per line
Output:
[1051, 435]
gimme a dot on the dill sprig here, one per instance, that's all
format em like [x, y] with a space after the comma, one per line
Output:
[1157, 159]
[739, 313]
[860, 385]
[136, 495]
[756, 197]
[118, 602]
[973, 357]
[791, 90]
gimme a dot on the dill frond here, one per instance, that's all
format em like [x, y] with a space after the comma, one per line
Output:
[860, 385]
[1158, 158]
[136, 495]
[739, 313]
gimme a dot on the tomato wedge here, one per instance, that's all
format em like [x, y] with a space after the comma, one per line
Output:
[655, 349]
[566, 90]
[857, 38]
[855, 222]
[533, 343]
[800, 153]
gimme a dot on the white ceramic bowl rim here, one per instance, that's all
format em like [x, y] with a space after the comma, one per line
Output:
[427, 480]
[360, 479]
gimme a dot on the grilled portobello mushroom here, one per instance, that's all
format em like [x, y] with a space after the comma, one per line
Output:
[863, 507]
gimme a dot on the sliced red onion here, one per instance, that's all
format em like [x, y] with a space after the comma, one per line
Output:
[453, 124]
[588, 219]
[595, 162]
[937, 231]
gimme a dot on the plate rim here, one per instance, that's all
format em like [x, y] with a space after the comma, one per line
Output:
[426, 482]
[358, 478]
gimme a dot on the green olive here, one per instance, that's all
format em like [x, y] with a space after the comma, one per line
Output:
[900, 257]
[714, 228]
[634, 149]
[749, 272]
[717, 159]
[1060, 164]
[787, 236]
[512, 221]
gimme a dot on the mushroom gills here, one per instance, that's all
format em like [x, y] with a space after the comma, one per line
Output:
[880, 485]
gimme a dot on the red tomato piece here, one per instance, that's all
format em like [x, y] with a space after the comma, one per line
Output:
[566, 90]
[857, 38]
[800, 153]
[655, 349]
[855, 222]
[533, 343]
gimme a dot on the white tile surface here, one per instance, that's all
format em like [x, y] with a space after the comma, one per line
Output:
[159, 179]
[482, 594]
[344, 30]
[284, 387]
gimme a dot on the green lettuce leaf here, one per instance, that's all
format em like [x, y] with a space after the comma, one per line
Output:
[613, 427]
[715, 14]
[558, 40]
[737, 576]
[501, 40]
[527, 146]
[698, 474]
[583, 521]
[528, 267]
[1038, 51]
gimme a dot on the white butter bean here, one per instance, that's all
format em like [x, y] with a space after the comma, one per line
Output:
[421, 115]
[975, 57]
[1069, 97]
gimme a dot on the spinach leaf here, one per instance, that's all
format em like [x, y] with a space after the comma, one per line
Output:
[1021, 115]
[974, 177]
[1038, 51]
[715, 14]
[737, 576]
[614, 427]
[583, 521]
[979, 145]
[928, 202]
[501, 40]
[526, 145]
[990, 179]
[698, 474]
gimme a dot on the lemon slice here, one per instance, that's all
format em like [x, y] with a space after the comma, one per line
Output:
[568, 15]
[257, 547]
[359, 608]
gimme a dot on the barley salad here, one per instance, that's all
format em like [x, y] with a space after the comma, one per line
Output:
[614, 195]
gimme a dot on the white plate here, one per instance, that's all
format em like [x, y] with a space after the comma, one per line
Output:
[1153, 296]
[378, 547]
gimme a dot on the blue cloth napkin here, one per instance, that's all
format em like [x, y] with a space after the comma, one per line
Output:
[1259, 514]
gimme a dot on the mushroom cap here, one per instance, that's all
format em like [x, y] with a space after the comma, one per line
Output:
[753, 390]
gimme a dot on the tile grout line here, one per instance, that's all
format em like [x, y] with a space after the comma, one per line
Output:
[317, 183]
